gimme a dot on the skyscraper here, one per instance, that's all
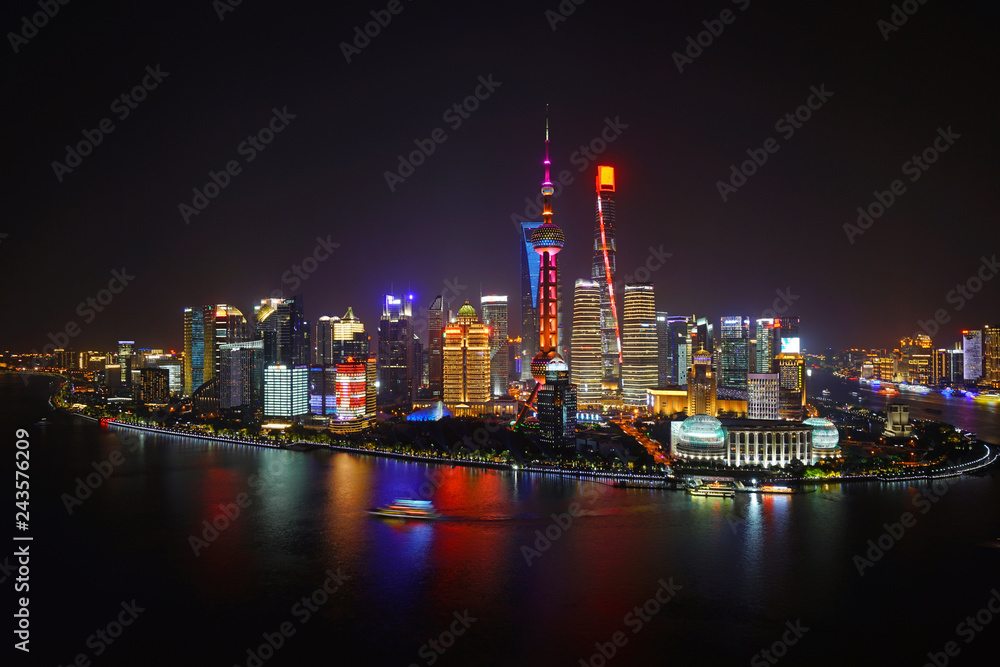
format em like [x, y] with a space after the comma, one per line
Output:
[395, 351]
[495, 318]
[435, 346]
[678, 348]
[787, 332]
[348, 338]
[194, 349]
[603, 272]
[241, 375]
[734, 355]
[284, 330]
[762, 395]
[351, 389]
[585, 359]
[991, 357]
[466, 359]
[638, 344]
[662, 350]
[222, 324]
[765, 346]
[322, 341]
[701, 385]
[529, 297]
[972, 348]
[286, 391]
[791, 385]
[126, 348]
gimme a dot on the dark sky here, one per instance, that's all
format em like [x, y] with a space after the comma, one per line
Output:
[323, 174]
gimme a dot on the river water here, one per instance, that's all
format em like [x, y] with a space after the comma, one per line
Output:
[733, 573]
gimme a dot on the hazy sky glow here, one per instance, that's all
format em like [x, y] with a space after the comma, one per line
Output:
[213, 91]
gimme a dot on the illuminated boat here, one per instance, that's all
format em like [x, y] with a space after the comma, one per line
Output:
[770, 488]
[407, 508]
[713, 489]
[991, 397]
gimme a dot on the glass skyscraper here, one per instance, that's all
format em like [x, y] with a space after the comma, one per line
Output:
[639, 347]
[585, 353]
[734, 353]
[603, 272]
[529, 298]
[494, 308]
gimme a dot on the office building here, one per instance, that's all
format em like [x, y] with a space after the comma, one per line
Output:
[466, 359]
[762, 395]
[701, 385]
[639, 347]
[557, 407]
[435, 346]
[991, 357]
[152, 385]
[791, 385]
[734, 353]
[351, 390]
[603, 272]
[126, 348]
[281, 325]
[529, 297]
[241, 376]
[494, 308]
[586, 361]
[286, 391]
[678, 348]
[972, 356]
[396, 358]
[194, 349]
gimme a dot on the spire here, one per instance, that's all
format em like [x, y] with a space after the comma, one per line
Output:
[547, 189]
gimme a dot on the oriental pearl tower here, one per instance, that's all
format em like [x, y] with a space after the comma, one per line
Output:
[547, 241]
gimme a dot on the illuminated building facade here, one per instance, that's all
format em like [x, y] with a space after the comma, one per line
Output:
[557, 407]
[435, 346]
[371, 391]
[494, 309]
[701, 385]
[396, 358]
[466, 359]
[286, 391]
[351, 390]
[323, 390]
[152, 385]
[284, 330]
[529, 297]
[743, 442]
[663, 351]
[972, 356]
[678, 348]
[991, 357]
[174, 364]
[241, 375]
[603, 272]
[791, 385]
[734, 353]
[126, 348]
[639, 346]
[787, 333]
[585, 350]
[762, 395]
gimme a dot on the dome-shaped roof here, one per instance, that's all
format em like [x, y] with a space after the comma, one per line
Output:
[467, 310]
[702, 429]
[825, 433]
[547, 236]
[556, 363]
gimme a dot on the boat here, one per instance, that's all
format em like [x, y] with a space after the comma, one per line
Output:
[407, 508]
[713, 489]
[826, 392]
[991, 397]
[771, 488]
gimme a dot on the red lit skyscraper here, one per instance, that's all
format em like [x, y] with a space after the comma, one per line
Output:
[603, 273]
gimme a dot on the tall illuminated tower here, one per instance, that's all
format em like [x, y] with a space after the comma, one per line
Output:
[585, 359]
[466, 359]
[495, 317]
[639, 371]
[603, 272]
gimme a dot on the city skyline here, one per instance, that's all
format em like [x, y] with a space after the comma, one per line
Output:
[310, 196]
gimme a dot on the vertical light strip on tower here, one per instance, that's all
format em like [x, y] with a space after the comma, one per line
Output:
[607, 272]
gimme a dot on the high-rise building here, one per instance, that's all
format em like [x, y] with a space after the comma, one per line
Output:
[223, 324]
[734, 353]
[466, 359]
[972, 349]
[585, 355]
[351, 390]
[323, 390]
[322, 343]
[762, 395]
[396, 359]
[286, 391]
[513, 358]
[765, 346]
[703, 338]
[639, 353]
[174, 364]
[435, 346]
[701, 385]
[603, 273]
[126, 348]
[194, 349]
[678, 348]
[663, 350]
[241, 375]
[152, 385]
[791, 385]
[348, 338]
[529, 297]
[991, 357]
[787, 333]
[557, 406]
[495, 318]
[281, 325]
[371, 391]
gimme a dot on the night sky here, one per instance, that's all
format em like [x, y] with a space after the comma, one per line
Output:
[323, 175]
